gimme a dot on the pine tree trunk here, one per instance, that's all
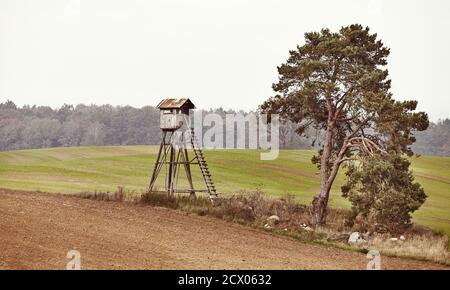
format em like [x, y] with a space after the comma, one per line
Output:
[320, 202]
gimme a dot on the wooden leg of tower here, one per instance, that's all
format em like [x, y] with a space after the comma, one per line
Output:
[187, 168]
[158, 164]
[176, 170]
[171, 176]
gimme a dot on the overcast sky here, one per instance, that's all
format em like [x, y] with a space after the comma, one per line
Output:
[218, 53]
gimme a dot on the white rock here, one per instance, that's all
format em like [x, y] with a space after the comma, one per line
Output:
[306, 228]
[273, 218]
[267, 226]
[354, 237]
[394, 239]
[402, 238]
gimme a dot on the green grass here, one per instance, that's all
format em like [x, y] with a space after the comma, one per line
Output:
[72, 170]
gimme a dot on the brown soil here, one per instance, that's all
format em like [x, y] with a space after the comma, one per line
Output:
[37, 230]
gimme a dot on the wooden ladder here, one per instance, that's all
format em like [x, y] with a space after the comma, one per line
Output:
[203, 166]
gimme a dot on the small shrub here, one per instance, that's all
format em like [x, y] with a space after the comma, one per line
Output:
[383, 194]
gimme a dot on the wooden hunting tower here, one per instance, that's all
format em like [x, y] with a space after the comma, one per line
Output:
[177, 136]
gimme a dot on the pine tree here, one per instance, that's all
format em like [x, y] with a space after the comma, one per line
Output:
[337, 83]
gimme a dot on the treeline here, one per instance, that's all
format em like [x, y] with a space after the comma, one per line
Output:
[40, 126]
[31, 127]
[435, 140]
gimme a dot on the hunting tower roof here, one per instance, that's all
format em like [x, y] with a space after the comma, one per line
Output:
[176, 104]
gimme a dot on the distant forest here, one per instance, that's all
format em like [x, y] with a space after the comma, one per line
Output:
[30, 127]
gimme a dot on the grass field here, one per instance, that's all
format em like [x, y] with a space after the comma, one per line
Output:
[72, 170]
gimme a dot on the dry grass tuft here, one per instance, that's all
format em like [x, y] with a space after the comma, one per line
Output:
[119, 195]
[158, 199]
[432, 247]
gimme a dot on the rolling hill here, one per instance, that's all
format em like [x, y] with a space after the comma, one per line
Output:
[72, 170]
